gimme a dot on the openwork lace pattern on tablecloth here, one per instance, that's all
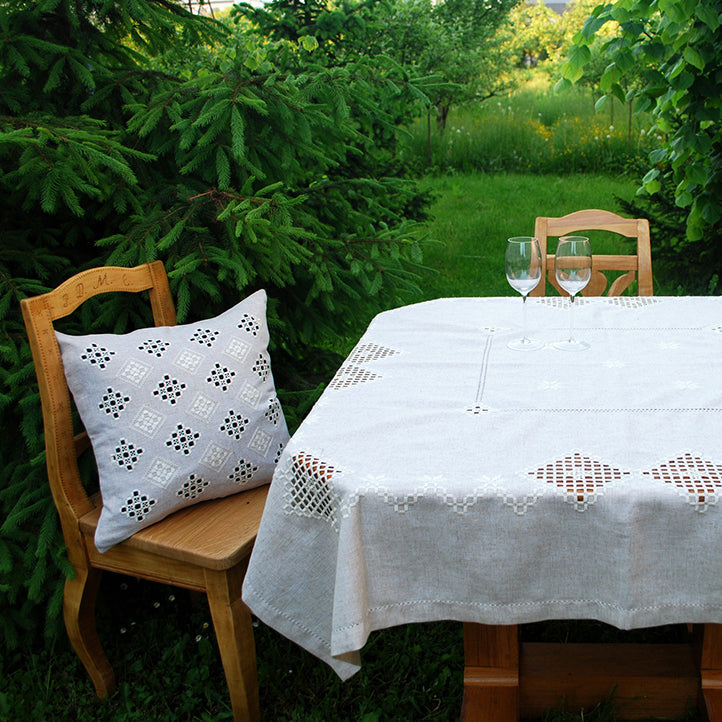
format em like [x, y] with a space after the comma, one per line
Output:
[307, 488]
[353, 372]
[698, 480]
[575, 478]
[620, 301]
[581, 478]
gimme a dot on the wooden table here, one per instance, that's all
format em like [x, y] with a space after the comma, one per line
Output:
[505, 680]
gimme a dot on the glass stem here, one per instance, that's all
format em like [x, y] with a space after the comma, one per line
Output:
[571, 320]
[523, 306]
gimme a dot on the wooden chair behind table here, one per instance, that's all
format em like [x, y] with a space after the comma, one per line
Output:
[632, 266]
[204, 548]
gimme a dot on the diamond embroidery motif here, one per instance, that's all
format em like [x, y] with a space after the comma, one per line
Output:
[243, 473]
[221, 377]
[97, 355]
[261, 367]
[154, 348]
[238, 349]
[126, 454]
[370, 352]
[203, 407]
[134, 372]
[215, 456]
[273, 413]
[193, 487]
[307, 489]
[477, 409]
[113, 402]
[279, 451]
[161, 472]
[189, 360]
[182, 439]
[148, 421]
[249, 324]
[250, 394]
[700, 480]
[169, 389]
[137, 506]
[260, 441]
[351, 376]
[205, 337]
[234, 424]
[580, 477]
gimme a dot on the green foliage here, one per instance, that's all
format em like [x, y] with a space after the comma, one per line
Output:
[453, 44]
[131, 130]
[673, 49]
[533, 130]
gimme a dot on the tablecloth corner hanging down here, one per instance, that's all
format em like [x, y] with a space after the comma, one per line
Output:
[443, 475]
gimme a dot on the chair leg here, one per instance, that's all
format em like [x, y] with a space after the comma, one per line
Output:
[79, 615]
[234, 633]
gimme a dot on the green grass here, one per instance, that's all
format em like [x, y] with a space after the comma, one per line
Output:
[474, 214]
[161, 643]
[533, 130]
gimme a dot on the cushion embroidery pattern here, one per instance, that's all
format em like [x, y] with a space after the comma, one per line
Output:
[176, 415]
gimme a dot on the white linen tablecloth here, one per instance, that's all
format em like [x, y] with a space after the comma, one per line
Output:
[443, 475]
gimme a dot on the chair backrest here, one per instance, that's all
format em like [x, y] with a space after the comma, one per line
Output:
[633, 266]
[62, 446]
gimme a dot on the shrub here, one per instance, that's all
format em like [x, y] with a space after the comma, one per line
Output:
[132, 130]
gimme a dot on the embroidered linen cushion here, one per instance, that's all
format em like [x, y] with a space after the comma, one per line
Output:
[176, 414]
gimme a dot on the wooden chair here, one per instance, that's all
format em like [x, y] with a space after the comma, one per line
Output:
[637, 265]
[204, 548]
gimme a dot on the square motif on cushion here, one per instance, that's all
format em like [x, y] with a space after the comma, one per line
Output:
[176, 414]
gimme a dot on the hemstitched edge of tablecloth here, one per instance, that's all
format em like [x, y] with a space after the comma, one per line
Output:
[300, 634]
[354, 635]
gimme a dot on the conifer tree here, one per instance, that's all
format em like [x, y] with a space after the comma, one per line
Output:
[132, 130]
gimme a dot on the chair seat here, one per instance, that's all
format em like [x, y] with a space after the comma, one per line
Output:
[184, 536]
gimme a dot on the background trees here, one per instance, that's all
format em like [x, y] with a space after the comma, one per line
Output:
[672, 50]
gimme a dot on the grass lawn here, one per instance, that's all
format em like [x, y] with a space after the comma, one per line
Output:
[475, 214]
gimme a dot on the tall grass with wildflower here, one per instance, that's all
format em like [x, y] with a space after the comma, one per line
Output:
[531, 131]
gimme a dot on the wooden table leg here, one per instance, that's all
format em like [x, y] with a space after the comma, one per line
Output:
[711, 671]
[491, 673]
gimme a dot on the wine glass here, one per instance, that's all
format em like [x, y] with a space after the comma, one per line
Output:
[573, 267]
[523, 271]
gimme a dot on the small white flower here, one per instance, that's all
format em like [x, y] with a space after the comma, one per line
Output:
[686, 385]
[199, 637]
[156, 605]
[123, 630]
